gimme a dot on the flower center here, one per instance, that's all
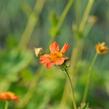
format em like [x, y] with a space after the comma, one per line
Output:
[55, 56]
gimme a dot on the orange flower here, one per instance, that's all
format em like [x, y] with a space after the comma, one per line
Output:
[56, 56]
[8, 96]
[101, 48]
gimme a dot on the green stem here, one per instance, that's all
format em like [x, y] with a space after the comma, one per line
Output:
[88, 78]
[6, 105]
[77, 11]
[86, 15]
[63, 16]
[32, 22]
[70, 81]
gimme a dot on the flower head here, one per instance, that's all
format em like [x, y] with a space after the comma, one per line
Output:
[9, 96]
[56, 55]
[101, 48]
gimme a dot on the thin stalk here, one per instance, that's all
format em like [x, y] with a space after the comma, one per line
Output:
[6, 105]
[26, 8]
[70, 81]
[32, 22]
[63, 16]
[77, 12]
[89, 78]
[72, 70]
[86, 15]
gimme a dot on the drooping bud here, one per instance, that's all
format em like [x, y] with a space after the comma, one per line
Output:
[38, 51]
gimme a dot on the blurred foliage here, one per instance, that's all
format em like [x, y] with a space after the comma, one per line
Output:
[26, 24]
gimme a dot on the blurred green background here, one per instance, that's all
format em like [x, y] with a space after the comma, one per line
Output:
[28, 24]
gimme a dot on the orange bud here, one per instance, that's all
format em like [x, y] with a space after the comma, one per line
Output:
[101, 48]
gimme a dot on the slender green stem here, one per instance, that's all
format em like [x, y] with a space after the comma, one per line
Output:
[63, 16]
[70, 81]
[65, 12]
[6, 105]
[32, 22]
[88, 78]
[86, 15]
[77, 11]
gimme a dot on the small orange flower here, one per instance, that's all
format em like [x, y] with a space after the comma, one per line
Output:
[56, 56]
[8, 96]
[101, 48]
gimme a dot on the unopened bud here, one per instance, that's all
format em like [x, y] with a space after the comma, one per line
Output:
[38, 51]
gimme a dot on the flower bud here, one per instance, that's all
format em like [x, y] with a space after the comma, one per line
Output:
[38, 51]
[101, 48]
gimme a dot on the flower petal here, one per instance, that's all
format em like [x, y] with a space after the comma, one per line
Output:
[8, 96]
[54, 47]
[49, 65]
[60, 61]
[65, 48]
[45, 59]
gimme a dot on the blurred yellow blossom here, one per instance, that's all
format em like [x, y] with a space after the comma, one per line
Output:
[101, 48]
